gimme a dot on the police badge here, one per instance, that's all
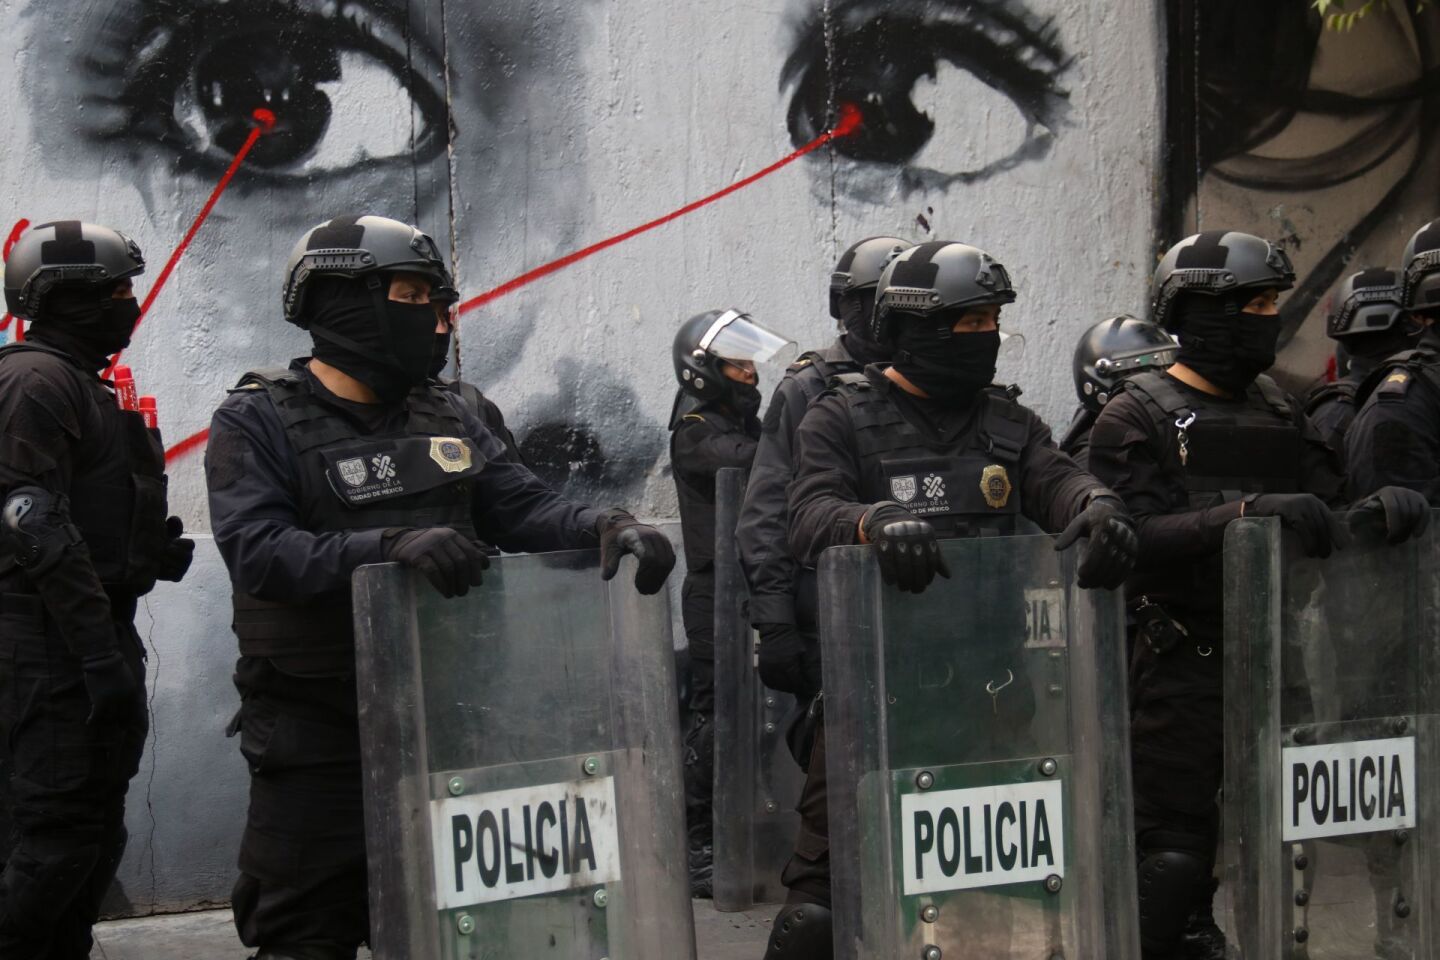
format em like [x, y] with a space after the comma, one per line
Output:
[903, 488]
[995, 486]
[353, 471]
[451, 453]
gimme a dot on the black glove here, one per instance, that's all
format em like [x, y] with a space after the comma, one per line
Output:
[110, 685]
[905, 545]
[1406, 513]
[620, 534]
[1320, 531]
[178, 553]
[783, 660]
[451, 561]
[1111, 546]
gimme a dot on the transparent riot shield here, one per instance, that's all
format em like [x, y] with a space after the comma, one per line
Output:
[1331, 746]
[978, 761]
[756, 779]
[521, 754]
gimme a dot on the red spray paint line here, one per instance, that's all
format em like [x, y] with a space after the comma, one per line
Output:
[20, 227]
[849, 122]
[265, 122]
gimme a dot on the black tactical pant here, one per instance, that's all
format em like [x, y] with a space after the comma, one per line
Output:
[302, 857]
[697, 609]
[65, 794]
[807, 875]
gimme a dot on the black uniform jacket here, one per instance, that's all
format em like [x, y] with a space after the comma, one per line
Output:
[1395, 439]
[827, 497]
[704, 440]
[258, 520]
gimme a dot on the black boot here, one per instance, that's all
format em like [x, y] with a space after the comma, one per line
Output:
[1203, 939]
[802, 931]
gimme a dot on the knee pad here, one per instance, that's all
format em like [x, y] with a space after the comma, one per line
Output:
[1169, 883]
[802, 931]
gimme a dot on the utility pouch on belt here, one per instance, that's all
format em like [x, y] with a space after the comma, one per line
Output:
[1155, 628]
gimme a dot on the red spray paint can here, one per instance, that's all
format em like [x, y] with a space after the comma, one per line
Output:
[148, 412]
[125, 389]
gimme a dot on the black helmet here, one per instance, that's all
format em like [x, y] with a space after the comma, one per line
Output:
[1421, 266]
[1367, 302]
[354, 247]
[65, 252]
[935, 276]
[859, 267]
[1216, 263]
[707, 338]
[1115, 349]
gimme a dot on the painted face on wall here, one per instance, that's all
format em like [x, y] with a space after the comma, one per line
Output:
[1326, 141]
[515, 133]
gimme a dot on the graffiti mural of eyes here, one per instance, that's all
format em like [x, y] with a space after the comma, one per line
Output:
[350, 88]
[923, 70]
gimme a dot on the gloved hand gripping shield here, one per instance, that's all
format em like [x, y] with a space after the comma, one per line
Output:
[1332, 693]
[978, 763]
[756, 789]
[522, 765]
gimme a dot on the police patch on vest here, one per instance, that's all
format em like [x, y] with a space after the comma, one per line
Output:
[353, 471]
[903, 489]
[451, 453]
[995, 485]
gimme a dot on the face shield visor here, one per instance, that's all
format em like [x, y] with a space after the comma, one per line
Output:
[736, 338]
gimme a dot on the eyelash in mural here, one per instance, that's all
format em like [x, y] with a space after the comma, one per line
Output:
[349, 88]
[879, 51]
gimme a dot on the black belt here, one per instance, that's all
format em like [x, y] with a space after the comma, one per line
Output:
[21, 605]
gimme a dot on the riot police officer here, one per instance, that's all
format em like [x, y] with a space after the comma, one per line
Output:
[1107, 353]
[713, 425]
[1368, 326]
[352, 456]
[1190, 449]
[1395, 440]
[83, 534]
[789, 655]
[985, 460]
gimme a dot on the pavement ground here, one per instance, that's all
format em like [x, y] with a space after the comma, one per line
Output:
[210, 935]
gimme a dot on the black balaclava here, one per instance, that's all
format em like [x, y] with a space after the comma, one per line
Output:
[86, 322]
[744, 398]
[1222, 343]
[357, 329]
[855, 310]
[951, 367]
[442, 353]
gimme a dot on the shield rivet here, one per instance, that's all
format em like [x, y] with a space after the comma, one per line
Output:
[1402, 907]
[930, 913]
[1302, 862]
[456, 786]
[601, 898]
[465, 924]
[1302, 897]
[1048, 766]
[931, 952]
[1301, 934]
[769, 728]
[591, 766]
[769, 701]
[771, 806]
[1401, 836]
[925, 780]
[1053, 883]
[1401, 724]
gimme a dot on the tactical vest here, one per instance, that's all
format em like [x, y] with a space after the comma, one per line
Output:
[118, 488]
[825, 370]
[1231, 450]
[1341, 391]
[1391, 380]
[966, 487]
[417, 476]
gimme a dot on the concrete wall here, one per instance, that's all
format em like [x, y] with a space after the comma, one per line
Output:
[517, 132]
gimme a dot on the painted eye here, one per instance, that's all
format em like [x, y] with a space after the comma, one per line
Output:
[343, 87]
[949, 92]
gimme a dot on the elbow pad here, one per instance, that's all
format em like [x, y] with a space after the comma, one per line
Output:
[36, 525]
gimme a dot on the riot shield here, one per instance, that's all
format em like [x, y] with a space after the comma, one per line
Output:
[1331, 746]
[978, 761]
[521, 755]
[756, 780]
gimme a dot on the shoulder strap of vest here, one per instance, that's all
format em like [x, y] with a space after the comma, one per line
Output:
[1278, 399]
[266, 377]
[1002, 425]
[849, 382]
[1160, 393]
[30, 346]
[1338, 390]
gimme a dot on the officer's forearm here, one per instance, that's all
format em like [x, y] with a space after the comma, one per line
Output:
[285, 564]
[77, 603]
[1179, 536]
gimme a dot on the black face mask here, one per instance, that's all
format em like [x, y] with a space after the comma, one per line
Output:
[88, 323]
[386, 345]
[950, 367]
[855, 311]
[1228, 349]
[442, 354]
[744, 398]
